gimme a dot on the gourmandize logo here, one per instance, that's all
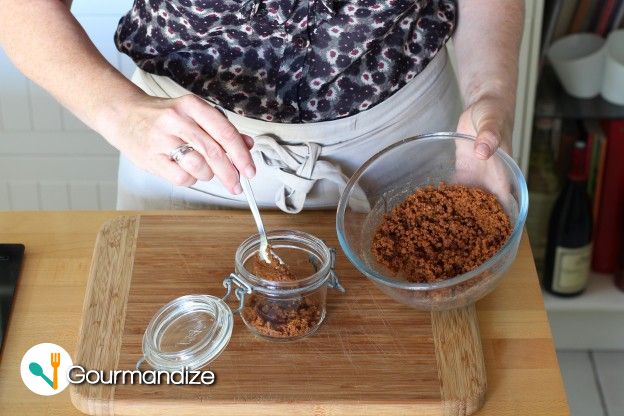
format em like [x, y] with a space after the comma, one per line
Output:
[55, 361]
[44, 369]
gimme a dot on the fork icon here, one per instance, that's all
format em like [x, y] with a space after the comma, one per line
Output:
[55, 361]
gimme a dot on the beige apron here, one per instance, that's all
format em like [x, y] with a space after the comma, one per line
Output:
[303, 165]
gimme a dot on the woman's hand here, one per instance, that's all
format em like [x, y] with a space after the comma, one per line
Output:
[146, 129]
[487, 44]
[490, 120]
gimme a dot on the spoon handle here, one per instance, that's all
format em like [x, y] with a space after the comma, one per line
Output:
[254, 208]
[264, 242]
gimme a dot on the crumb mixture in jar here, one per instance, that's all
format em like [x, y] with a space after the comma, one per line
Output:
[440, 232]
[275, 270]
[286, 318]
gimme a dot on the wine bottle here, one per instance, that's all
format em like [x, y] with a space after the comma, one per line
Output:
[568, 252]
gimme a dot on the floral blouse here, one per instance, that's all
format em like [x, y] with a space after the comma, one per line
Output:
[287, 61]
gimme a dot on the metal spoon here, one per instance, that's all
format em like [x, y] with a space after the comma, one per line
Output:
[251, 200]
[265, 251]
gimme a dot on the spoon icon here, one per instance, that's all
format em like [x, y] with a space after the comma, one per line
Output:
[36, 370]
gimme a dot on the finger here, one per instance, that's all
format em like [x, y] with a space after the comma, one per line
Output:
[214, 155]
[166, 144]
[191, 162]
[488, 139]
[248, 141]
[223, 168]
[223, 132]
[196, 165]
[487, 120]
[173, 173]
[485, 144]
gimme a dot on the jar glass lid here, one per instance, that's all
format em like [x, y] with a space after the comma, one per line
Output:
[188, 332]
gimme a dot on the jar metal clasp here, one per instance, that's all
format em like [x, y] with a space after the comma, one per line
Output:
[241, 290]
[333, 280]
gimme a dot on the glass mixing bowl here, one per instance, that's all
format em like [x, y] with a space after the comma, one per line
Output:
[396, 172]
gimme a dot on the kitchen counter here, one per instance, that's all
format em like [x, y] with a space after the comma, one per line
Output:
[522, 371]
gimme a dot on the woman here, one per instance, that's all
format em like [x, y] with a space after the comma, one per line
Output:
[312, 87]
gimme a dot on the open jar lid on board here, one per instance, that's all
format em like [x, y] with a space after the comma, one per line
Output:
[191, 331]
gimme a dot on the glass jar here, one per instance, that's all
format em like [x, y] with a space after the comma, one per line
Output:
[293, 309]
[193, 330]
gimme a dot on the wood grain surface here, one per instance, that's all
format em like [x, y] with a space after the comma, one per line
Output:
[522, 372]
[459, 359]
[371, 356]
[104, 310]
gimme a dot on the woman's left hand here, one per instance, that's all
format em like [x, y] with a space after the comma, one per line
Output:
[490, 121]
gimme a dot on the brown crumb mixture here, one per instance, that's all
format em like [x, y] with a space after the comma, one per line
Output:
[282, 318]
[439, 232]
[275, 270]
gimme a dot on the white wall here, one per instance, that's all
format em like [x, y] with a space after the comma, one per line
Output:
[48, 158]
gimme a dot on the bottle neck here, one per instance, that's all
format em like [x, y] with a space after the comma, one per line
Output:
[578, 164]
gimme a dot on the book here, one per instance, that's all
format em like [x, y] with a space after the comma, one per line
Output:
[604, 17]
[551, 15]
[596, 143]
[618, 16]
[580, 16]
[570, 132]
[602, 152]
[598, 6]
[610, 222]
[552, 11]
[565, 17]
[544, 186]
[594, 139]
[555, 137]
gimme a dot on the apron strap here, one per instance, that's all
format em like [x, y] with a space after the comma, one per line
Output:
[298, 168]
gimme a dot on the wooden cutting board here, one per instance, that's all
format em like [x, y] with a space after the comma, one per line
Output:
[372, 355]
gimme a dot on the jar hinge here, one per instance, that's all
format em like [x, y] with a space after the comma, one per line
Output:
[333, 281]
[242, 289]
[140, 362]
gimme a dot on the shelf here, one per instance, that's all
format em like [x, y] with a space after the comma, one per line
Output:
[591, 321]
[601, 295]
[553, 101]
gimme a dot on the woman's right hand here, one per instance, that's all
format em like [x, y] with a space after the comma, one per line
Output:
[146, 129]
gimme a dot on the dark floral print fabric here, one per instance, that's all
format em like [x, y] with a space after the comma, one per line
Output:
[288, 61]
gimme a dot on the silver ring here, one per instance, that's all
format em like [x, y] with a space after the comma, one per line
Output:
[178, 153]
